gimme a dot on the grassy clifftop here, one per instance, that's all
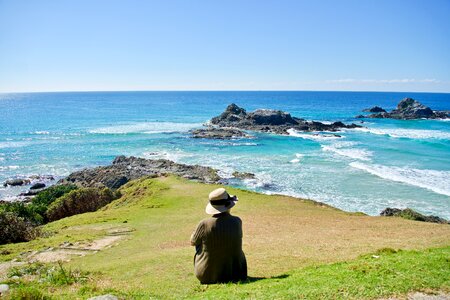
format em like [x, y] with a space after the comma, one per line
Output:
[295, 248]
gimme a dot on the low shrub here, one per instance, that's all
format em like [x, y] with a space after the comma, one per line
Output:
[23, 210]
[43, 199]
[79, 201]
[14, 229]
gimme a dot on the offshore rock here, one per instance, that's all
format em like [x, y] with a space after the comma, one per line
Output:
[375, 109]
[17, 182]
[409, 109]
[124, 169]
[268, 120]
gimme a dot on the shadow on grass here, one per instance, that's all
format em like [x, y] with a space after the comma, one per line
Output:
[254, 279]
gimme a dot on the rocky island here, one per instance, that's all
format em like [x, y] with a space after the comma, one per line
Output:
[407, 109]
[268, 120]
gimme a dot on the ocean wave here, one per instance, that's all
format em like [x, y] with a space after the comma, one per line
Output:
[233, 144]
[343, 149]
[13, 144]
[298, 157]
[174, 155]
[313, 136]
[7, 168]
[407, 133]
[41, 132]
[146, 127]
[436, 181]
[261, 181]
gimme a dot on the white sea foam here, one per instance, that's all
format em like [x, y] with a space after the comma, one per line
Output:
[41, 132]
[297, 159]
[13, 144]
[345, 149]
[313, 136]
[436, 181]
[6, 168]
[175, 155]
[407, 133]
[146, 127]
[262, 180]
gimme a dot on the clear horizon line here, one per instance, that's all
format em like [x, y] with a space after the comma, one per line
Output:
[217, 90]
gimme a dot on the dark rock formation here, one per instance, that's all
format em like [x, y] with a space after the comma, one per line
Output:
[243, 175]
[267, 120]
[28, 180]
[218, 133]
[124, 169]
[375, 109]
[409, 109]
[17, 182]
[410, 214]
[37, 185]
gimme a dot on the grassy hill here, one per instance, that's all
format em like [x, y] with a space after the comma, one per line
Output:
[295, 249]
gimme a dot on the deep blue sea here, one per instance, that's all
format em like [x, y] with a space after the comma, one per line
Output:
[387, 163]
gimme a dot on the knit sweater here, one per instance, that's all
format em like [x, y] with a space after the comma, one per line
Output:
[219, 256]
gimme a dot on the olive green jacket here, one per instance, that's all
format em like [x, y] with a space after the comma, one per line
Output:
[219, 256]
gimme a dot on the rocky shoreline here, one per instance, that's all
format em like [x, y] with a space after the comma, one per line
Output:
[124, 169]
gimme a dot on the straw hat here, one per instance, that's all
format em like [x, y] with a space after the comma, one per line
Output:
[220, 201]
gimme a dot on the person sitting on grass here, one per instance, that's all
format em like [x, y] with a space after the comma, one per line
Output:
[218, 242]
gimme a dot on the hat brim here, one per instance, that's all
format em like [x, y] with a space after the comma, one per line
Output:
[218, 209]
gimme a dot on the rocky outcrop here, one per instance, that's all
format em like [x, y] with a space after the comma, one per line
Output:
[17, 182]
[375, 109]
[410, 214]
[409, 109]
[219, 133]
[37, 186]
[28, 180]
[243, 175]
[267, 120]
[124, 169]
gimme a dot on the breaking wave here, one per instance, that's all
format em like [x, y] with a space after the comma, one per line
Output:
[436, 181]
[346, 149]
[408, 133]
[313, 136]
[146, 127]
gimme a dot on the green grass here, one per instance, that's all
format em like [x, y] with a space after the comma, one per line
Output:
[295, 249]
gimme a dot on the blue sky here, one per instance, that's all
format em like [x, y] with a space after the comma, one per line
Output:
[84, 45]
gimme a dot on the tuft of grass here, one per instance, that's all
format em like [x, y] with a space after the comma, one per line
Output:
[24, 292]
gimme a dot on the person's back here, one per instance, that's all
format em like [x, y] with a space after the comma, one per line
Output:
[219, 256]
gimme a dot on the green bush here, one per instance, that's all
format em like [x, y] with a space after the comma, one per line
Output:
[44, 199]
[14, 229]
[23, 210]
[79, 201]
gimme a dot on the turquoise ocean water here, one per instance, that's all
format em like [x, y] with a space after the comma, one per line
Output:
[387, 163]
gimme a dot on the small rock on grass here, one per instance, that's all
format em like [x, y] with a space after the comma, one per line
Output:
[104, 297]
[4, 288]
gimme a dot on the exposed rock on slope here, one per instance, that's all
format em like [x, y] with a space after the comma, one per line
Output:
[410, 214]
[408, 109]
[267, 120]
[124, 169]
